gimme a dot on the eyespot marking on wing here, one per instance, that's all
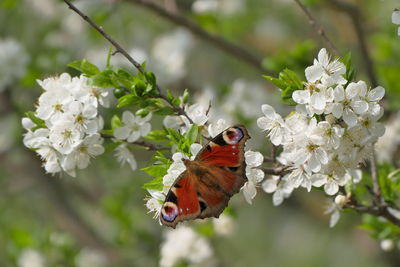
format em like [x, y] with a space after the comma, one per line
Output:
[169, 211]
[233, 135]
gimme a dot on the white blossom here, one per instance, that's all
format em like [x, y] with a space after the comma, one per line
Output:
[224, 225]
[387, 245]
[216, 128]
[90, 146]
[279, 186]
[30, 257]
[184, 244]
[254, 175]
[133, 127]
[327, 71]
[124, 155]
[334, 210]
[331, 132]
[273, 123]
[91, 257]
[71, 136]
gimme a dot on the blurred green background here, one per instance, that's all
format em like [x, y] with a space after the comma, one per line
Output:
[99, 217]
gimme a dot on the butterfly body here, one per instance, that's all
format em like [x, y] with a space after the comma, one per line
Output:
[209, 181]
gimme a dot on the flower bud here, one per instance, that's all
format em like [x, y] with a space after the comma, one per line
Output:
[387, 244]
[340, 200]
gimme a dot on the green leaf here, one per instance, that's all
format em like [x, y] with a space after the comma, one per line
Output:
[104, 79]
[157, 135]
[174, 135]
[39, 122]
[155, 184]
[191, 135]
[185, 97]
[127, 100]
[163, 111]
[85, 67]
[115, 122]
[156, 170]
[278, 83]
[142, 112]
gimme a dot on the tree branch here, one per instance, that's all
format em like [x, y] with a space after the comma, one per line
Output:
[226, 46]
[318, 28]
[275, 171]
[179, 110]
[379, 211]
[355, 15]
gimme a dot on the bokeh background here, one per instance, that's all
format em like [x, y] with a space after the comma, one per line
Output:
[99, 217]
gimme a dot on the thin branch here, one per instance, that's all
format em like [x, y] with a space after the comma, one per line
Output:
[374, 176]
[226, 46]
[275, 171]
[355, 15]
[119, 49]
[379, 211]
[318, 28]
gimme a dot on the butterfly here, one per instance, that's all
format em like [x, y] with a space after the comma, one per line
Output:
[209, 181]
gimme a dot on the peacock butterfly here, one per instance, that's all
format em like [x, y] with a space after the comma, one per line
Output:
[209, 181]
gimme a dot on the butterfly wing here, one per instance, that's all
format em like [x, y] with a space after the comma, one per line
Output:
[209, 181]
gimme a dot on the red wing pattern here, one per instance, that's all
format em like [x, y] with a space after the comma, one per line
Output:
[209, 181]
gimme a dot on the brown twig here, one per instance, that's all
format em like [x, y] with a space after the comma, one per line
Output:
[355, 15]
[379, 211]
[119, 49]
[226, 46]
[318, 28]
[374, 176]
[275, 171]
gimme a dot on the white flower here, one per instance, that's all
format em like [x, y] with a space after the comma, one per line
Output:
[197, 113]
[334, 210]
[224, 225]
[273, 123]
[387, 245]
[299, 176]
[50, 158]
[330, 181]
[331, 134]
[345, 103]
[89, 147]
[13, 62]
[280, 186]
[310, 150]
[184, 244]
[84, 115]
[324, 70]
[124, 155]
[64, 136]
[253, 174]
[30, 257]
[216, 128]
[396, 19]
[91, 257]
[52, 103]
[133, 127]
[155, 203]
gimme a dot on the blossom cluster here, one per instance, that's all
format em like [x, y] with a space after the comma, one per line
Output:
[66, 124]
[332, 131]
[184, 244]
